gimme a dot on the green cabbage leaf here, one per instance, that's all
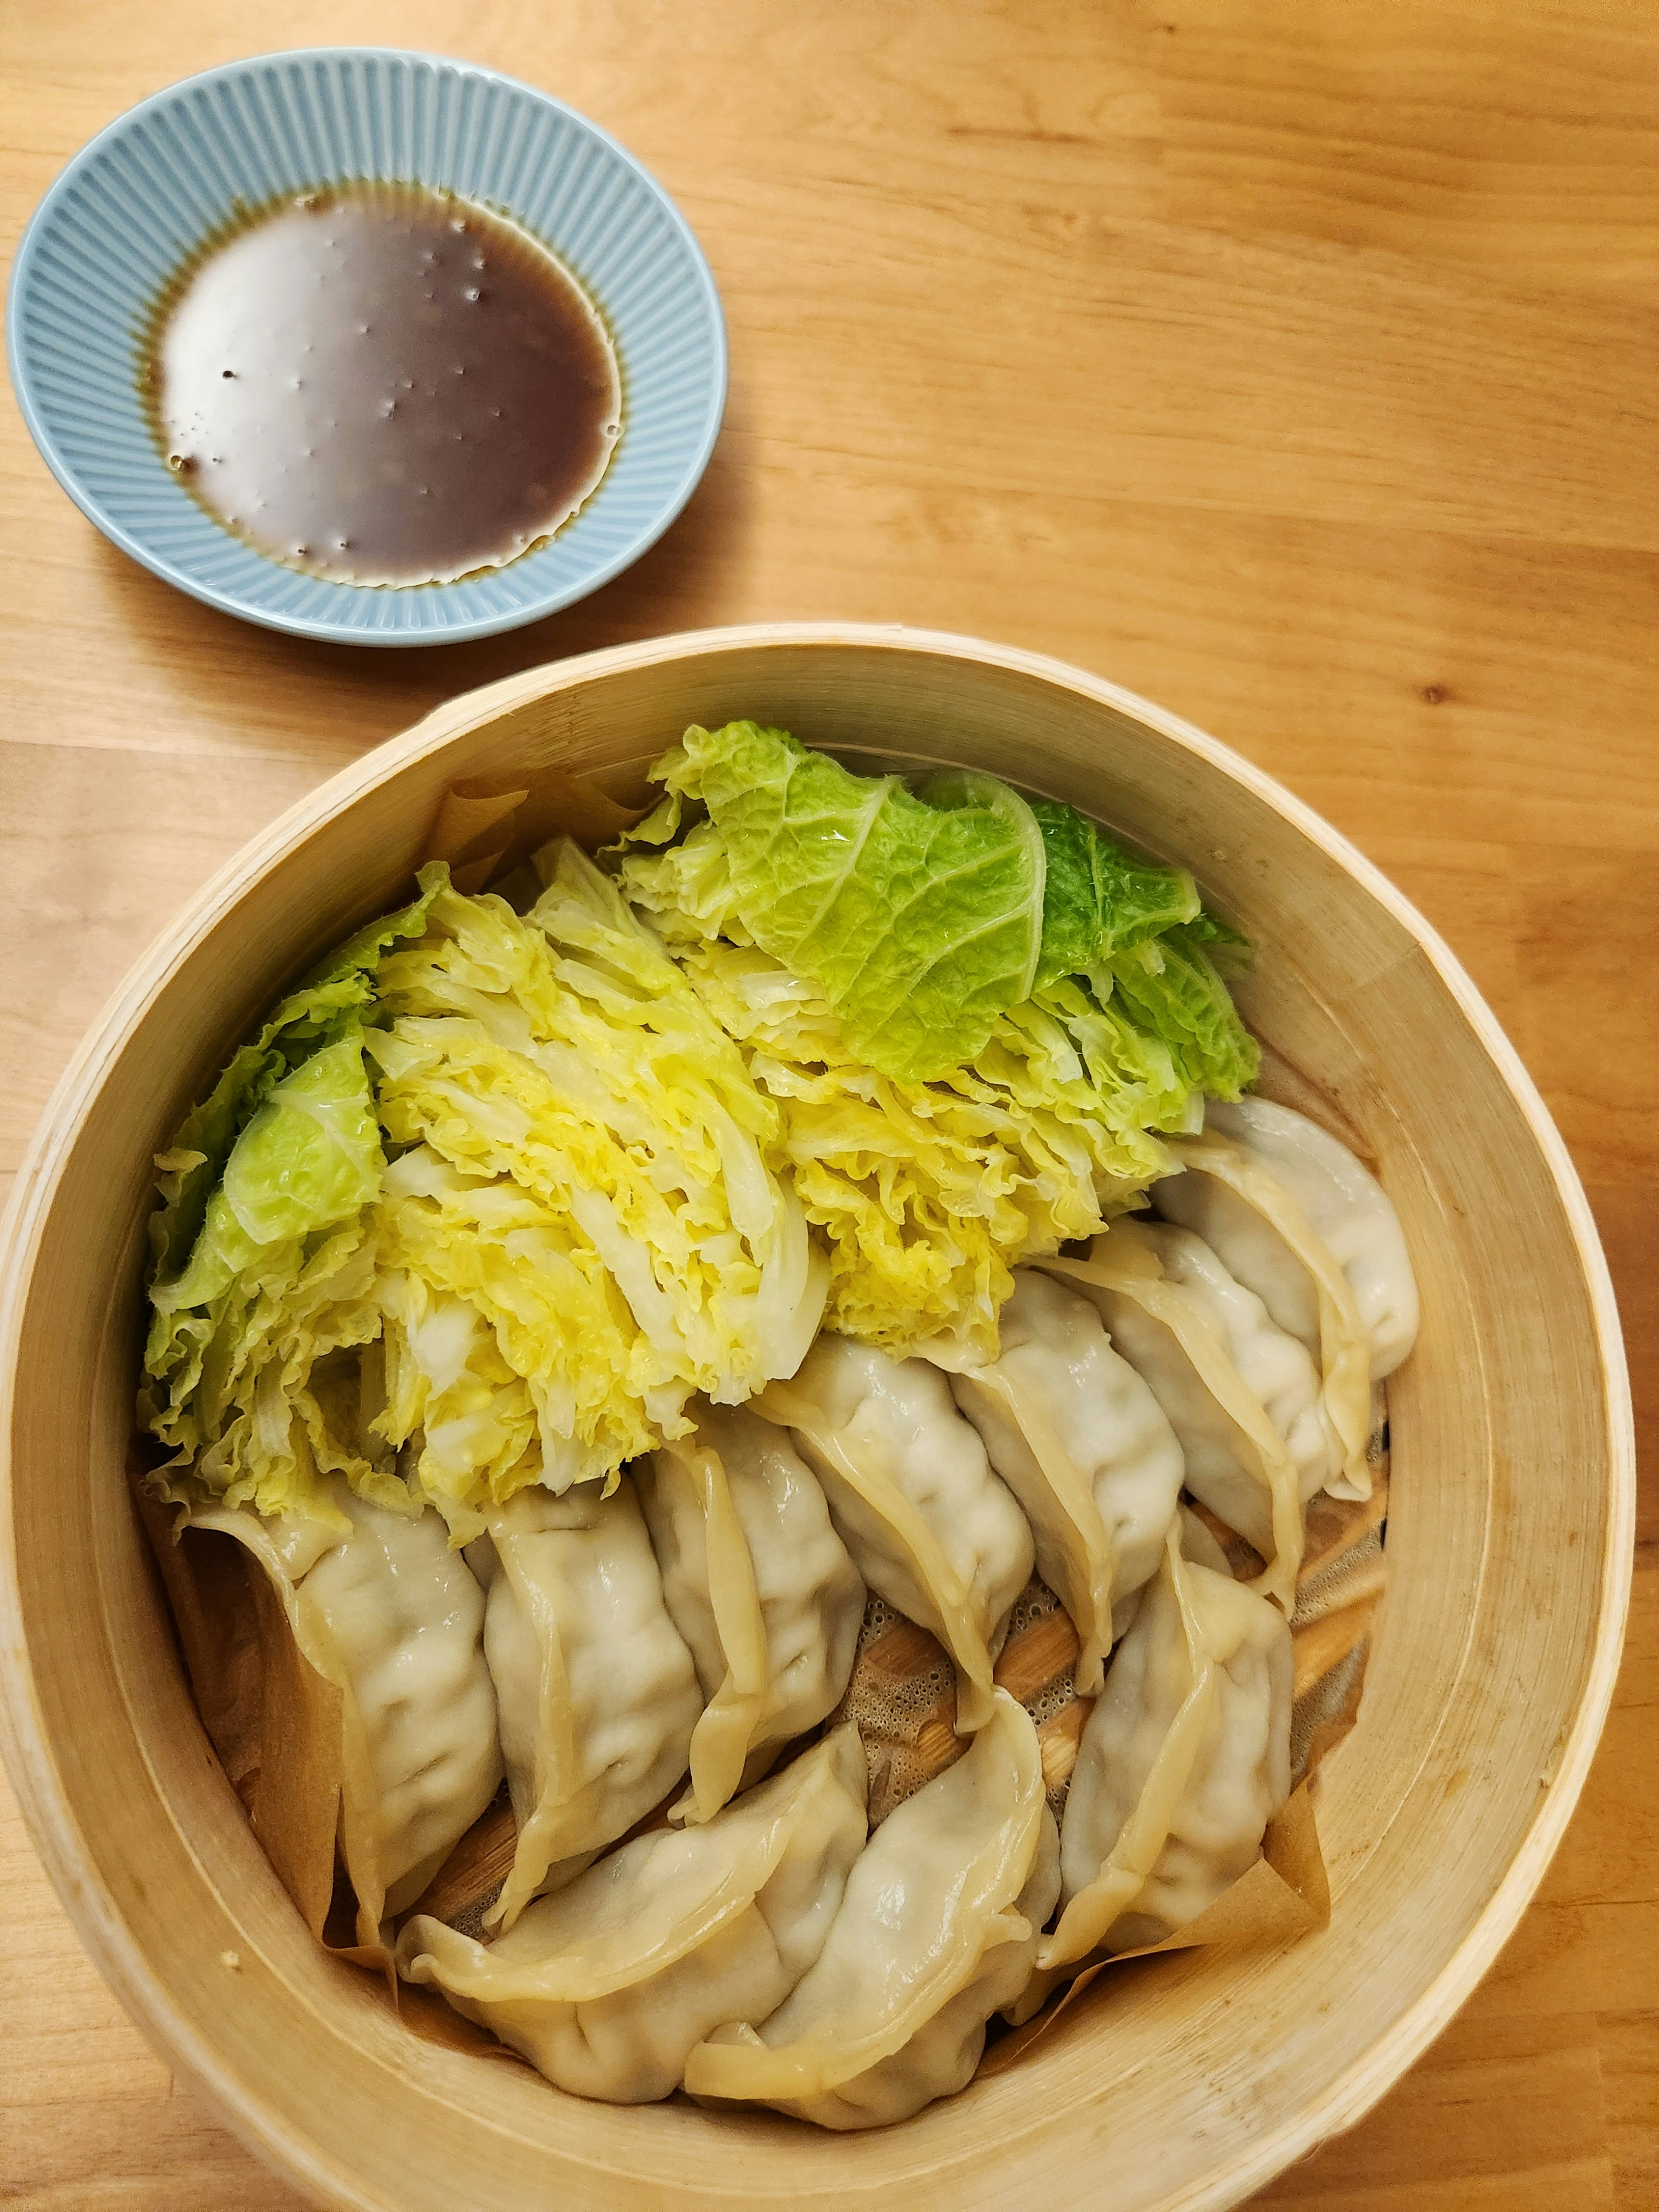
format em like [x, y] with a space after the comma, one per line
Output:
[918, 923]
[194, 1165]
[922, 919]
[1170, 988]
[1098, 898]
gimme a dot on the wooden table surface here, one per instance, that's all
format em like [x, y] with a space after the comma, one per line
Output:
[1291, 361]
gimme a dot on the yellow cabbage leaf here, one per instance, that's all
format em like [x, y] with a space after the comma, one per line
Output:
[926, 1193]
[584, 1229]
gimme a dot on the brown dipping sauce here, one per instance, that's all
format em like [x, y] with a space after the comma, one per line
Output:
[382, 384]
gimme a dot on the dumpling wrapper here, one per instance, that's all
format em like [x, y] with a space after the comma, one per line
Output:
[1184, 1761]
[1297, 1219]
[1271, 1364]
[913, 1498]
[597, 1691]
[1186, 1328]
[1085, 1447]
[759, 1585]
[937, 1929]
[394, 1619]
[606, 1986]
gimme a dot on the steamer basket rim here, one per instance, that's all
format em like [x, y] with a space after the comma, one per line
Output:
[24, 1745]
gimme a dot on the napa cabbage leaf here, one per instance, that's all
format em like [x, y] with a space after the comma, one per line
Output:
[918, 923]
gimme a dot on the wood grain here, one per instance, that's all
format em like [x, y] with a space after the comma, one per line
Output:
[1291, 366]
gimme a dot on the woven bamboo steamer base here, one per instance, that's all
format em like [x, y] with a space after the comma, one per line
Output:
[1180, 2082]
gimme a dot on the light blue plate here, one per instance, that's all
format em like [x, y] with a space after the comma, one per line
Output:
[133, 203]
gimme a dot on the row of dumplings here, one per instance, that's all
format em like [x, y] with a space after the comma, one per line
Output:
[673, 1641]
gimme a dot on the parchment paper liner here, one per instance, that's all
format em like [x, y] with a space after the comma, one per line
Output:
[488, 826]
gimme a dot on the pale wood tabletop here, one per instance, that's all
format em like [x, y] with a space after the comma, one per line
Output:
[1291, 364]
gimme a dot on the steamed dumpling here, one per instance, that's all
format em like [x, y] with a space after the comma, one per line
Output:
[1273, 1365]
[394, 1619]
[606, 1986]
[912, 1494]
[1345, 1206]
[937, 1931]
[1296, 1219]
[597, 1691]
[1206, 1348]
[759, 1585]
[1184, 1761]
[1085, 1447]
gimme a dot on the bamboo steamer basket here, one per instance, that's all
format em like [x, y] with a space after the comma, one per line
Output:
[1185, 2081]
